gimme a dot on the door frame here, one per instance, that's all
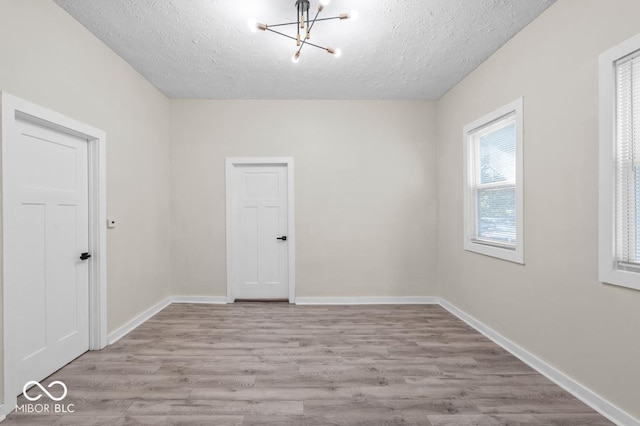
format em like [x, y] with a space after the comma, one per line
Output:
[11, 109]
[230, 164]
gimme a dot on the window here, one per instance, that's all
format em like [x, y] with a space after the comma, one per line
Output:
[620, 165]
[493, 184]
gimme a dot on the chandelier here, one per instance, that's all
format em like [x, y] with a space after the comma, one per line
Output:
[304, 25]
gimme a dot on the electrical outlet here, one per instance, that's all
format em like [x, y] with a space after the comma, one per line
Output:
[111, 222]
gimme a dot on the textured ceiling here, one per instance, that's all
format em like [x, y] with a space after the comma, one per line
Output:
[396, 49]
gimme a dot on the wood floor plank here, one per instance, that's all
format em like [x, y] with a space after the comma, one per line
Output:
[186, 420]
[216, 407]
[271, 393]
[591, 419]
[464, 419]
[104, 420]
[282, 364]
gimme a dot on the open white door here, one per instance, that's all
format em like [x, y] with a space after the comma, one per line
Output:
[48, 196]
[259, 236]
[54, 246]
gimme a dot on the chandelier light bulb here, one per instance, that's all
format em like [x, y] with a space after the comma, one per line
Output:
[296, 57]
[335, 52]
[325, 2]
[253, 25]
[354, 14]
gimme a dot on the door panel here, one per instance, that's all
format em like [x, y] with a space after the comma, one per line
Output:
[33, 283]
[259, 218]
[249, 250]
[58, 172]
[47, 193]
[63, 255]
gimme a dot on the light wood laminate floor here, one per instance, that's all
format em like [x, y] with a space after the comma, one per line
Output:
[280, 364]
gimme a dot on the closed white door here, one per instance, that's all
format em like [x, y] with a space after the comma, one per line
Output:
[46, 183]
[259, 237]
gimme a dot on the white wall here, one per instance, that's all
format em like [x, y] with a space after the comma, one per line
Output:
[364, 187]
[48, 58]
[554, 305]
[365, 184]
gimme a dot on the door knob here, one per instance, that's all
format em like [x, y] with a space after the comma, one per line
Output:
[85, 256]
[283, 238]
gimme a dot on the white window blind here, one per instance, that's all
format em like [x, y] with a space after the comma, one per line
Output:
[493, 183]
[627, 192]
[619, 165]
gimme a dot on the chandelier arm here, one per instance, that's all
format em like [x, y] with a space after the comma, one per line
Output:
[309, 32]
[315, 19]
[298, 17]
[308, 22]
[293, 38]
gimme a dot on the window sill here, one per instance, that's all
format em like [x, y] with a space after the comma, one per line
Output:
[621, 278]
[500, 251]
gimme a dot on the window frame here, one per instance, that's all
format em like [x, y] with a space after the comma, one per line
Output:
[470, 131]
[608, 269]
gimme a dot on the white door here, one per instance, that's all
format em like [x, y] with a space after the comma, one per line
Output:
[259, 232]
[46, 183]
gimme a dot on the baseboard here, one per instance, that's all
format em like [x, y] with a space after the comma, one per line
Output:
[5, 410]
[220, 300]
[209, 300]
[584, 394]
[412, 300]
[140, 319]
[127, 328]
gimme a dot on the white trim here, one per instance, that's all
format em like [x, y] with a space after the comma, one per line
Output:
[517, 255]
[230, 163]
[411, 300]
[5, 411]
[12, 108]
[136, 322]
[608, 272]
[229, 212]
[206, 300]
[590, 398]
[98, 242]
[584, 394]
[291, 215]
